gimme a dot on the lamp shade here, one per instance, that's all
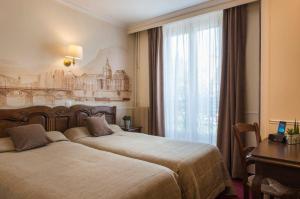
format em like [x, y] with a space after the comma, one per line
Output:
[74, 52]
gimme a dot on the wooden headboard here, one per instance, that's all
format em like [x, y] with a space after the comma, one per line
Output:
[31, 115]
[75, 116]
[54, 119]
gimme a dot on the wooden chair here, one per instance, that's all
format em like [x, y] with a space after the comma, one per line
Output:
[269, 187]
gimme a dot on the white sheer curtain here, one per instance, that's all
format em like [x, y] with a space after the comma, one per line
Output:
[192, 68]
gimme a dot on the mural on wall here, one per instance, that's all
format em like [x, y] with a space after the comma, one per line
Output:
[55, 87]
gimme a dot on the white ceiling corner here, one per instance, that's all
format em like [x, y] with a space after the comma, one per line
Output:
[85, 9]
[125, 13]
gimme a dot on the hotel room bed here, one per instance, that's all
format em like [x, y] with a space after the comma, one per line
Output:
[69, 170]
[202, 173]
[63, 169]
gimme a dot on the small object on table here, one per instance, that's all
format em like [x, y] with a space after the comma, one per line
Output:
[127, 121]
[132, 129]
[293, 134]
[281, 127]
[277, 137]
[280, 135]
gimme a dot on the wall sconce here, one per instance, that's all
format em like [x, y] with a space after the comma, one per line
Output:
[74, 52]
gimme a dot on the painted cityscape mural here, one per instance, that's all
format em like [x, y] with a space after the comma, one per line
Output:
[58, 86]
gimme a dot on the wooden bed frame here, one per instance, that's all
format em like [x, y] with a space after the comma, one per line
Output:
[59, 118]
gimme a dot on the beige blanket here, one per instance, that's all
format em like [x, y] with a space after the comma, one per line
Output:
[66, 170]
[202, 173]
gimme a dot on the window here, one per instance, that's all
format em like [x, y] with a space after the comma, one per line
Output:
[192, 68]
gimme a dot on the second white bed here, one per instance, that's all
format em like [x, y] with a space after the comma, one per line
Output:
[201, 170]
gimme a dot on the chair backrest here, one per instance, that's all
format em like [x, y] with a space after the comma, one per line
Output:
[239, 130]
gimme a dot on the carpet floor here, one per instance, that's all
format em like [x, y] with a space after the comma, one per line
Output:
[238, 190]
[238, 186]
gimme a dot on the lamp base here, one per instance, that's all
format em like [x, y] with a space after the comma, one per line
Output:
[67, 62]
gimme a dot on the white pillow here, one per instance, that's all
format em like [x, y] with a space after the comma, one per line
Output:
[6, 145]
[115, 128]
[76, 133]
[56, 136]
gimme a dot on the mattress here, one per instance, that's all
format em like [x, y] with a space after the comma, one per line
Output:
[73, 171]
[201, 171]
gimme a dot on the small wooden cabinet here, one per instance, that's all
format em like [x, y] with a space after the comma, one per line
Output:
[132, 129]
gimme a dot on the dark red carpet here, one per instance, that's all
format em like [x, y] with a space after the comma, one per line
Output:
[238, 190]
[238, 186]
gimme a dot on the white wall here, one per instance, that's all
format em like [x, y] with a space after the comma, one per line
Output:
[140, 48]
[253, 64]
[143, 71]
[34, 34]
[252, 69]
[280, 62]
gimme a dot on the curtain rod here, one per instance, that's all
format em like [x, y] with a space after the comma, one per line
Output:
[187, 13]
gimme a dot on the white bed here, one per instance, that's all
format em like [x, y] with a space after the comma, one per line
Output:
[202, 173]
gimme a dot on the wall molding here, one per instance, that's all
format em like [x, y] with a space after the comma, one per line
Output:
[276, 121]
[192, 11]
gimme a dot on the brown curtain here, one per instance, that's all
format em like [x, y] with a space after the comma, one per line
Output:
[232, 101]
[156, 119]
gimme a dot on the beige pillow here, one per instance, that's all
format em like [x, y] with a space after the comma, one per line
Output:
[115, 128]
[28, 136]
[56, 136]
[76, 133]
[6, 145]
[98, 126]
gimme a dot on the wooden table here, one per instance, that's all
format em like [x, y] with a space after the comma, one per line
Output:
[278, 161]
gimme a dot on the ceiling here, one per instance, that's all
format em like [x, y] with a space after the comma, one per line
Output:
[129, 12]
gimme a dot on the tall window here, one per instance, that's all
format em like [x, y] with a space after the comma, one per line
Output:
[192, 68]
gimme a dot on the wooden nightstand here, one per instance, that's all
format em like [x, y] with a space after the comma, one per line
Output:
[132, 129]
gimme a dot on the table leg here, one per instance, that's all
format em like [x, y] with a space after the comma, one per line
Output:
[256, 187]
